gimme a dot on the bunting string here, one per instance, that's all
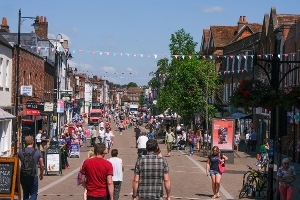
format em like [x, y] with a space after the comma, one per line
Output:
[157, 55]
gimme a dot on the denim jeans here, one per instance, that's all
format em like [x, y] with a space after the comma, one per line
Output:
[30, 187]
[101, 139]
[192, 148]
[117, 189]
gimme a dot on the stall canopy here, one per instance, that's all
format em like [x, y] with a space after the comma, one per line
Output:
[6, 115]
[239, 115]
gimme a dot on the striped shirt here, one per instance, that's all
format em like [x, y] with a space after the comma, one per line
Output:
[151, 169]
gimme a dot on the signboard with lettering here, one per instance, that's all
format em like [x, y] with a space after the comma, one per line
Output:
[34, 108]
[6, 175]
[9, 183]
[48, 107]
[26, 90]
[53, 160]
[60, 106]
[75, 151]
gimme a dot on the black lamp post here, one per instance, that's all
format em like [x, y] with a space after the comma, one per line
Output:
[57, 83]
[275, 81]
[17, 125]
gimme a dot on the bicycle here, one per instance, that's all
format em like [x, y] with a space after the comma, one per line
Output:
[255, 184]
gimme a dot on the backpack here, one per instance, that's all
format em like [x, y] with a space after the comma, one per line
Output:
[28, 166]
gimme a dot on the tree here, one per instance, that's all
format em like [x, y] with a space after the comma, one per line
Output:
[189, 81]
[131, 84]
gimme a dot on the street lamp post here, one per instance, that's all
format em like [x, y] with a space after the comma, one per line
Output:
[275, 81]
[17, 125]
[57, 81]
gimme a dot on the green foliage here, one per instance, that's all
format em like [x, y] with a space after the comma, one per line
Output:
[141, 99]
[131, 84]
[188, 83]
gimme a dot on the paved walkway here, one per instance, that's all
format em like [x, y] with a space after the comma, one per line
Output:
[188, 178]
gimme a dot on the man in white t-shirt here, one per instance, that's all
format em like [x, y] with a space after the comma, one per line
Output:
[141, 144]
[118, 172]
[101, 134]
[101, 124]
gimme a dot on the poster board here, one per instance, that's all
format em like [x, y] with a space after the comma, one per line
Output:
[9, 181]
[223, 131]
[75, 151]
[53, 160]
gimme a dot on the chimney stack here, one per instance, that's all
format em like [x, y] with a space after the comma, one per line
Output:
[242, 21]
[4, 26]
[42, 31]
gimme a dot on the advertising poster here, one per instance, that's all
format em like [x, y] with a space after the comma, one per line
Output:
[223, 133]
[52, 162]
[74, 150]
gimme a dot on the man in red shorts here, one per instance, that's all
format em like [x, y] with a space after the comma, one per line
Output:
[97, 175]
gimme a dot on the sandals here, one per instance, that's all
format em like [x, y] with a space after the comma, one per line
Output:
[215, 196]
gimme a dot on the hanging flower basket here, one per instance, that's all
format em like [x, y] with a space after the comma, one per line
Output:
[253, 93]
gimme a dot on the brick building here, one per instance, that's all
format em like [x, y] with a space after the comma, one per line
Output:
[237, 52]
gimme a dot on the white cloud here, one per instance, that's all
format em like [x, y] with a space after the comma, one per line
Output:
[109, 69]
[213, 9]
[81, 67]
[131, 70]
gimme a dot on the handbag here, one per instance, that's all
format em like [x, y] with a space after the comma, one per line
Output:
[221, 166]
[79, 175]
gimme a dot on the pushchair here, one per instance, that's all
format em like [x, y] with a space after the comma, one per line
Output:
[179, 144]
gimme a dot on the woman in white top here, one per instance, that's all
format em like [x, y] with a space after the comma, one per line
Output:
[38, 139]
[205, 140]
[108, 138]
[118, 172]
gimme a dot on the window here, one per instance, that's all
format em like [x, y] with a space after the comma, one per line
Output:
[239, 63]
[246, 60]
[227, 64]
[7, 74]
[233, 60]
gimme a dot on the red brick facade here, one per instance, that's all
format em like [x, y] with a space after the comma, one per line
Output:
[33, 71]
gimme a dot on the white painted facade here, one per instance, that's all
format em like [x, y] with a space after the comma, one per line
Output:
[5, 93]
[88, 88]
[5, 75]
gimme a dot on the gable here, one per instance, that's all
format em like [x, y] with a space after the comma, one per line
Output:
[246, 31]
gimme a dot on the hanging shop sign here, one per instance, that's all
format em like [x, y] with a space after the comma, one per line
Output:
[26, 90]
[66, 97]
[60, 106]
[48, 107]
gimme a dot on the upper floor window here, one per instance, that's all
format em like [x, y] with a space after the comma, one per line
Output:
[233, 61]
[239, 63]
[246, 60]
[7, 74]
[227, 64]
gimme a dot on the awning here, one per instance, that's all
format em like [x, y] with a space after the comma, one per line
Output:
[6, 115]
[239, 115]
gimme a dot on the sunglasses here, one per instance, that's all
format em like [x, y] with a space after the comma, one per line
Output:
[286, 163]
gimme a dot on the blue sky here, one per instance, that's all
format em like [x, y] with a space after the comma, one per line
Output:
[138, 27]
